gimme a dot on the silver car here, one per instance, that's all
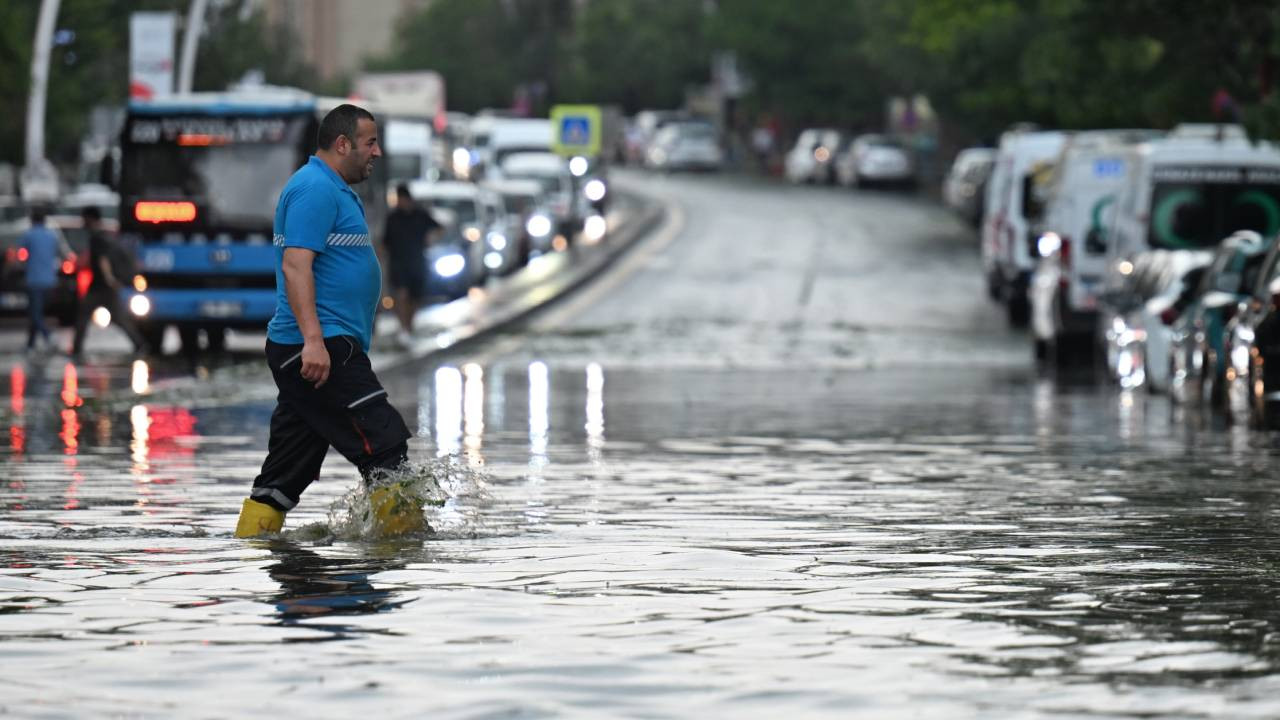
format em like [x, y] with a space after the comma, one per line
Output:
[875, 160]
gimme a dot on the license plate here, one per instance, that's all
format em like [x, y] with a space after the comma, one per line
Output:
[13, 301]
[221, 309]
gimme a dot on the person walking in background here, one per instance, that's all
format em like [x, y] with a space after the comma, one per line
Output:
[104, 290]
[408, 232]
[328, 283]
[44, 251]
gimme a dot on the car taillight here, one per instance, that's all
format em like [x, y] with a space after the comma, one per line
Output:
[68, 267]
[22, 254]
[84, 279]
[1064, 252]
[159, 212]
[1169, 315]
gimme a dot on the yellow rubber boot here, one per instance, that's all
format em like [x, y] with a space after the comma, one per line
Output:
[258, 519]
[396, 511]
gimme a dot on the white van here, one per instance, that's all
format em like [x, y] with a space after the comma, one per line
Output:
[1193, 188]
[1071, 260]
[1007, 241]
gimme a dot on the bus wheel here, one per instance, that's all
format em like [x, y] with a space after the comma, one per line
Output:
[153, 335]
[217, 338]
[190, 340]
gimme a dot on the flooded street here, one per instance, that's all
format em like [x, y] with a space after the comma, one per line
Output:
[784, 458]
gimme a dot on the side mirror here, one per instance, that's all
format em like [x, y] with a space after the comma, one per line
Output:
[1095, 242]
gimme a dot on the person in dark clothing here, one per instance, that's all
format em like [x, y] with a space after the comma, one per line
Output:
[409, 230]
[104, 290]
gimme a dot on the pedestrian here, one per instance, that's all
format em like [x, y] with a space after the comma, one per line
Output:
[104, 289]
[408, 232]
[328, 283]
[44, 252]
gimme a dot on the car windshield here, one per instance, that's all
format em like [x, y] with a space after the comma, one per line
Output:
[1197, 207]
[463, 209]
[232, 168]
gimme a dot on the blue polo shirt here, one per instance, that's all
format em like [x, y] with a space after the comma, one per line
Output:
[42, 257]
[318, 211]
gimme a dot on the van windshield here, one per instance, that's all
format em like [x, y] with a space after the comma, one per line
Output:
[1196, 207]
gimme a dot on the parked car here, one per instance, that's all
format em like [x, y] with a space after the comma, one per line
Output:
[455, 263]
[1138, 333]
[875, 160]
[966, 183]
[685, 145]
[1075, 197]
[812, 158]
[1009, 246]
[1198, 351]
[1253, 348]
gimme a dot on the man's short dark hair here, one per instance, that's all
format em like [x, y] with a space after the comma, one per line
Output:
[91, 213]
[39, 213]
[402, 190]
[342, 120]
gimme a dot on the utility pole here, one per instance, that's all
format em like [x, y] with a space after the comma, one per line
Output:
[190, 41]
[36, 173]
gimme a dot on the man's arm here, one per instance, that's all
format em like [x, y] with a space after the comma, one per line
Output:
[300, 288]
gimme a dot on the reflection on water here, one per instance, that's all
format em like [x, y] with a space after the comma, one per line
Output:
[318, 586]
[754, 544]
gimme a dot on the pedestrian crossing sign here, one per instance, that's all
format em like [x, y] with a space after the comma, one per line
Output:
[577, 130]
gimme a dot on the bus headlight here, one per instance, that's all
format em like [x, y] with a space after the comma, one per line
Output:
[539, 225]
[139, 305]
[450, 265]
[595, 190]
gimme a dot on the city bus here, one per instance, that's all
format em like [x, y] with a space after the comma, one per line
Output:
[199, 178]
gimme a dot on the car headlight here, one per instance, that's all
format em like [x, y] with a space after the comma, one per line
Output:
[538, 226]
[595, 190]
[579, 166]
[449, 265]
[139, 305]
[594, 228]
[472, 234]
[498, 241]
[493, 260]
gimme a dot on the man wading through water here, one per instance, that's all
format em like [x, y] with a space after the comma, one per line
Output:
[328, 284]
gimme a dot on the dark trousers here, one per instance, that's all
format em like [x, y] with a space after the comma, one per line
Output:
[350, 412]
[105, 297]
[35, 315]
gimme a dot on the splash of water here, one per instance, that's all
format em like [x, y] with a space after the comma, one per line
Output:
[431, 488]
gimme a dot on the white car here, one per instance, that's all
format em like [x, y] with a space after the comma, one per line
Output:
[552, 171]
[965, 187]
[685, 146]
[875, 160]
[812, 159]
[1139, 334]
[509, 240]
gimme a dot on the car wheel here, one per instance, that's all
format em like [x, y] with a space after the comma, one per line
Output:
[153, 335]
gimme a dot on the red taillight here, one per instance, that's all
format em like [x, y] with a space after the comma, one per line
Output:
[68, 267]
[22, 254]
[84, 279]
[159, 212]
[1169, 315]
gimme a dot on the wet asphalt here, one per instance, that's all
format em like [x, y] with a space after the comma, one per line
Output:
[782, 457]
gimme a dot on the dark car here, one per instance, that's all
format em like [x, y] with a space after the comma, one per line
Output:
[74, 274]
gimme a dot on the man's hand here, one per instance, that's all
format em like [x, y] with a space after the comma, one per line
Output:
[315, 362]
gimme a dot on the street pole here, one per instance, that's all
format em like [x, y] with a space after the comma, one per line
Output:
[190, 40]
[40, 82]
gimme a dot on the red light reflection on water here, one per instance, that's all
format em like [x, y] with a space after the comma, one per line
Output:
[71, 387]
[70, 431]
[18, 389]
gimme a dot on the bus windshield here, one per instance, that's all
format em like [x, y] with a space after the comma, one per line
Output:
[231, 167]
[1196, 207]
